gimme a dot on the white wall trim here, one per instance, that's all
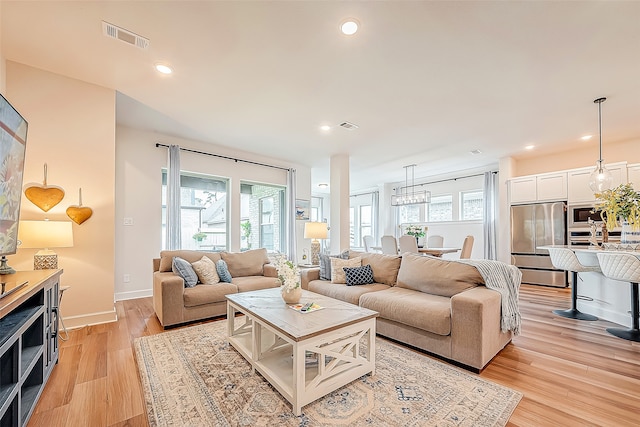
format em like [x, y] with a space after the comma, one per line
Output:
[122, 296]
[80, 321]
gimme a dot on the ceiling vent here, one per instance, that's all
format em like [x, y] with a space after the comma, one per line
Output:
[123, 35]
[349, 126]
[476, 151]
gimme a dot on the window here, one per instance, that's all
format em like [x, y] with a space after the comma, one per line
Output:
[262, 217]
[362, 217]
[365, 223]
[203, 211]
[441, 208]
[352, 227]
[409, 213]
[316, 209]
[471, 205]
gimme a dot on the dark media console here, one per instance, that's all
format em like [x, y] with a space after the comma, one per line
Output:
[28, 342]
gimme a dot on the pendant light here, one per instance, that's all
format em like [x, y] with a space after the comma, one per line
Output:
[412, 197]
[601, 177]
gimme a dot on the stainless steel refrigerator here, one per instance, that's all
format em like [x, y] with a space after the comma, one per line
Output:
[533, 226]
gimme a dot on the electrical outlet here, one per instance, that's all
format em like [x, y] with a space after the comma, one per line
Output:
[128, 221]
[126, 278]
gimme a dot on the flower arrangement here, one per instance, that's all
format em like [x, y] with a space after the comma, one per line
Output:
[288, 273]
[415, 230]
[620, 204]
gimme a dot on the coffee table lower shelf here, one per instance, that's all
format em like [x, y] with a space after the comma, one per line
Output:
[305, 370]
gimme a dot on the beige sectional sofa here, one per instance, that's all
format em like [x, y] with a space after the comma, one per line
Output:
[438, 306]
[174, 303]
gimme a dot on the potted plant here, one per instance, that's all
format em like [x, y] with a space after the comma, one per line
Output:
[622, 207]
[199, 236]
[416, 231]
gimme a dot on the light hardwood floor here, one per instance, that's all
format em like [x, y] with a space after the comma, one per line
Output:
[572, 373]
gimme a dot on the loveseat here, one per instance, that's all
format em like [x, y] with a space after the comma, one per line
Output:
[439, 306]
[175, 303]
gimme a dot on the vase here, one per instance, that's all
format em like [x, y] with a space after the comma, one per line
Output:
[629, 235]
[293, 296]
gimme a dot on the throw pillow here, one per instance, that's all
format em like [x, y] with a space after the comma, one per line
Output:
[206, 271]
[325, 264]
[337, 265]
[358, 275]
[223, 271]
[183, 268]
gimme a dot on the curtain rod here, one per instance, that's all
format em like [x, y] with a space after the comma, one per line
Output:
[444, 180]
[364, 194]
[226, 157]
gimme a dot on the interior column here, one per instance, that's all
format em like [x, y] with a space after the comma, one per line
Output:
[339, 226]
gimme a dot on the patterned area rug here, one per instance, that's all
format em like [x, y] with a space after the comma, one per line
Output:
[193, 377]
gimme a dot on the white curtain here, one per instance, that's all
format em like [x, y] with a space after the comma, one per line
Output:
[173, 237]
[375, 209]
[490, 215]
[291, 216]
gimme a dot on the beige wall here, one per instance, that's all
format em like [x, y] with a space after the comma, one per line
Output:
[71, 128]
[628, 151]
[138, 196]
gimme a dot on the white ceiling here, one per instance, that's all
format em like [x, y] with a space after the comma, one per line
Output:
[426, 81]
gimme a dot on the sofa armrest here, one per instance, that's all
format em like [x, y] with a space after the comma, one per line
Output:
[269, 271]
[475, 326]
[168, 301]
[307, 275]
[156, 264]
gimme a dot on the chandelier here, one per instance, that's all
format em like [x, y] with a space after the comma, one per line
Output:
[410, 196]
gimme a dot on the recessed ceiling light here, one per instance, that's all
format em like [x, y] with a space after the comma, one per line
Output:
[586, 137]
[529, 147]
[325, 128]
[349, 26]
[164, 69]
[323, 185]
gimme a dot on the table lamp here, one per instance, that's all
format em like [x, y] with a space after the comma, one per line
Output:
[44, 235]
[315, 231]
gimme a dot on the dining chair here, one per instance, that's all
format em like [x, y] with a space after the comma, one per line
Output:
[435, 241]
[368, 243]
[467, 245]
[408, 243]
[389, 245]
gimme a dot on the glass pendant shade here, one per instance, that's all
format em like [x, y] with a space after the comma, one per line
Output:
[600, 179]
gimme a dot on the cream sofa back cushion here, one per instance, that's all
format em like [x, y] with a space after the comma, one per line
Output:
[385, 267]
[248, 263]
[436, 276]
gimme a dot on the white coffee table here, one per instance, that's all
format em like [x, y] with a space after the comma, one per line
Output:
[279, 341]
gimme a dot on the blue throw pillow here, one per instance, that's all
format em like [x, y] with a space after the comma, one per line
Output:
[358, 275]
[183, 268]
[223, 271]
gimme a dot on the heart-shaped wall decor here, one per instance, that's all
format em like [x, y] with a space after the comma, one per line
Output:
[79, 214]
[44, 196]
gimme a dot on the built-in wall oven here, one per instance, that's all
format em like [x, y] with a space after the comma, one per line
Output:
[579, 219]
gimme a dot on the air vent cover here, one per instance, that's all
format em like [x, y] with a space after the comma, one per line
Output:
[348, 125]
[123, 35]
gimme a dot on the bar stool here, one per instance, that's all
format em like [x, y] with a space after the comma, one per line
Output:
[566, 259]
[624, 267]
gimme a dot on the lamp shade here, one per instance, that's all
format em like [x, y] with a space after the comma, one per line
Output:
[316, 230]
[45, 234]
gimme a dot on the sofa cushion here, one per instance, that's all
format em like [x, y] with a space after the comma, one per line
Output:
[385, 267]
[248, 263]
[166, 257]
[206, 271]
[325, 264]
[362, 275]
[436, 276]
[431, 313]
[204, 294]
[223, 271]
[184, 269]
[337, 265]
[254, 283]
[350, 294]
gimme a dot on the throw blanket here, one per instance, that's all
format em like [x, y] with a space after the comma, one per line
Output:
[505, 279]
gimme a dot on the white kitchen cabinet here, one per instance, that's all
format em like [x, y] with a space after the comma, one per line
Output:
[523, 190]
[633, 175]
[578, 182]
[538, 188]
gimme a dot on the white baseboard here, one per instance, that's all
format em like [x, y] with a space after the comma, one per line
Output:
[121, 296]
[74, 322]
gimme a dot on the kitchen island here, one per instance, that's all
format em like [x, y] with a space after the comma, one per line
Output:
[598, 295]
